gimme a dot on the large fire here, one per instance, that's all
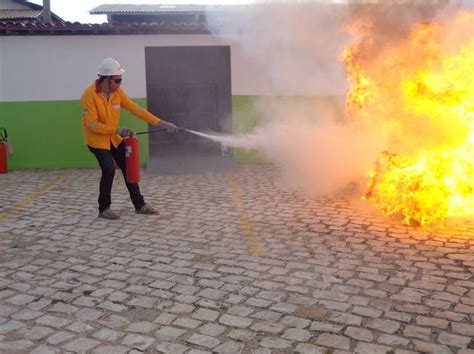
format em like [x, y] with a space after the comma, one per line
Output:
[420, 86]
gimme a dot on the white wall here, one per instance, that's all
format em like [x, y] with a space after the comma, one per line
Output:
[60, 67]
[37, 68]
[48, 68]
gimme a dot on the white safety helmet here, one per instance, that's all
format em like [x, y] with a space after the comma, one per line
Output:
[110, 67]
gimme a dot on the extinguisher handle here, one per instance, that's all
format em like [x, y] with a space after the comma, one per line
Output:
[3, 135]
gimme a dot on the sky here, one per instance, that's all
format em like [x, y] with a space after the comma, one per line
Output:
[78, 10]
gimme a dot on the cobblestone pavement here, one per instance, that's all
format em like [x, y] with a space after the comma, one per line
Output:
[234, 263]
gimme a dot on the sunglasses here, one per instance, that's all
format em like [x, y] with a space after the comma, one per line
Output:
[117, 81]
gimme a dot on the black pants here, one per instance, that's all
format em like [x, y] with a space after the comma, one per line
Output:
[106, 161]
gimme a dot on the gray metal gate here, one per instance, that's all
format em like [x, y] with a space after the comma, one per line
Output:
[191, 87]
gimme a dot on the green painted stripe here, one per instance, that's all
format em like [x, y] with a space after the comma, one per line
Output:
[49, 134]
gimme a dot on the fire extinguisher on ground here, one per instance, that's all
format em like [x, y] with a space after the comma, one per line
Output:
[132, 159]
[132, 156]
[6, 149]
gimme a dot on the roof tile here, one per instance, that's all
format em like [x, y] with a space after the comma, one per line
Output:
[72, 28]
[19, 14]
[127, 9]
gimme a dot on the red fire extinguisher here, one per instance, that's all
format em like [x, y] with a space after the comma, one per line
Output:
[4, 150]
[132, 160]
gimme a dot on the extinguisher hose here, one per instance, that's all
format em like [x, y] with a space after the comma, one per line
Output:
[157, 130]
[150, 131]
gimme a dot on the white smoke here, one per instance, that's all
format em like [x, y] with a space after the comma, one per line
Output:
[297, 47]
[297, 44]
[318, 158]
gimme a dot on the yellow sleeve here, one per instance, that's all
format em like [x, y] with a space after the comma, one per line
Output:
[139, 112]
[90, 118]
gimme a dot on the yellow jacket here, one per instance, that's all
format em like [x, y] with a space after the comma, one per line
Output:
[100, 117]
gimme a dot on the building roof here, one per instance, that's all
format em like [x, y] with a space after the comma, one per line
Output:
[156, 9]
[12, 27]
[18, 5]
[129, 9]
[19, 14]
[126, 9]
[21, 10]
[76, 28]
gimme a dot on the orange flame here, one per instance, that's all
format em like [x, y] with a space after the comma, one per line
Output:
[422, 89]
